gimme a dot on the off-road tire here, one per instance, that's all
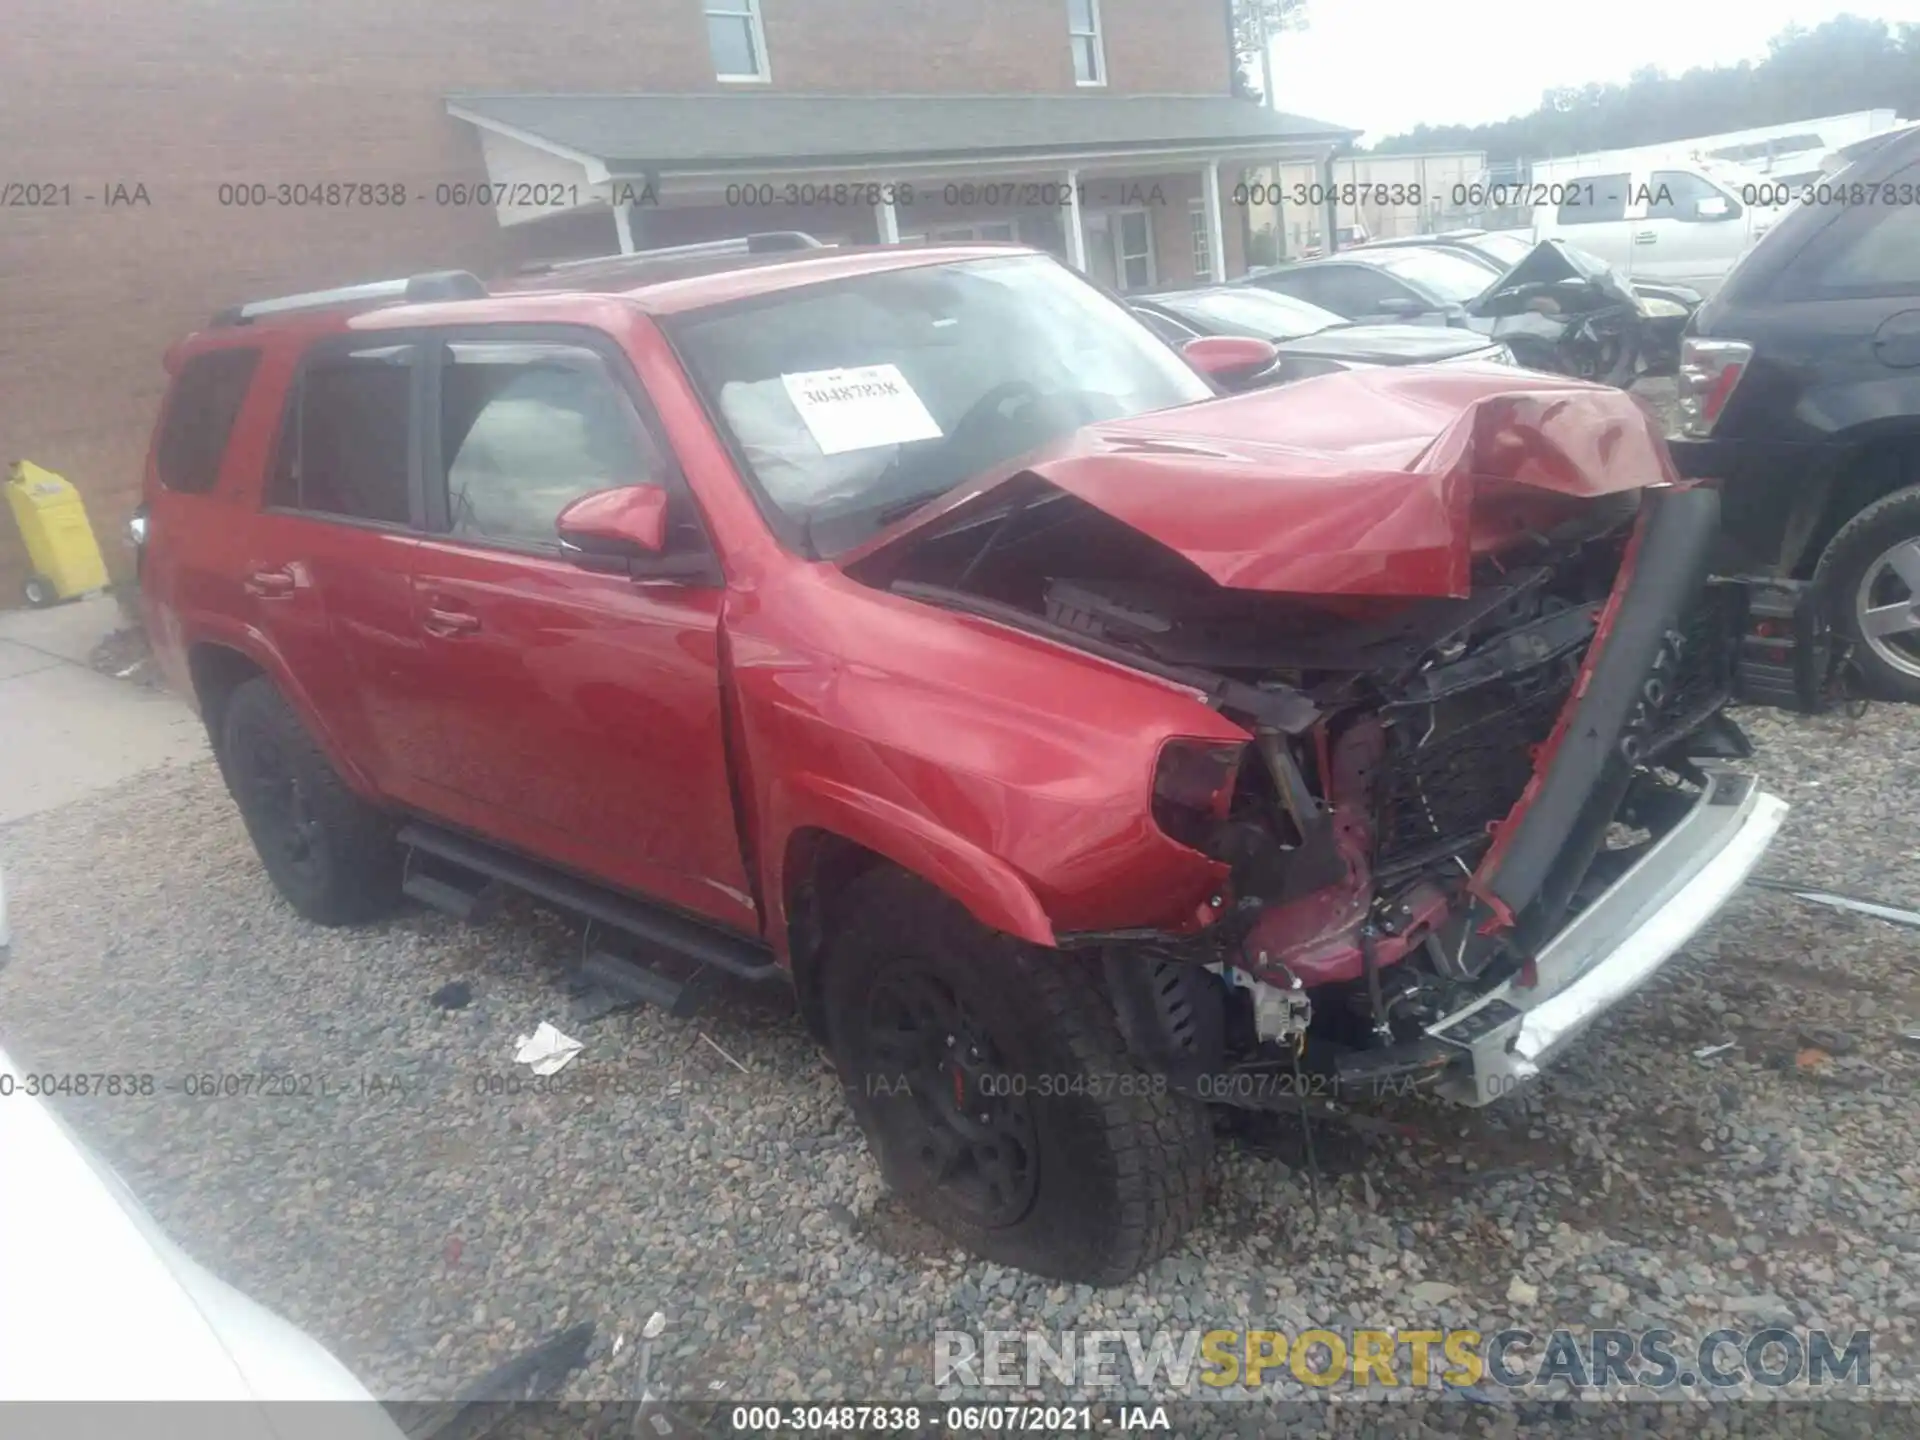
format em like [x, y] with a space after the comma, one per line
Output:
[1120, 1165]
[1844, 564]
[351, 866]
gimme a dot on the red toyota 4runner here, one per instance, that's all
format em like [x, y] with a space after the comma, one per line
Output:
[1086, 747]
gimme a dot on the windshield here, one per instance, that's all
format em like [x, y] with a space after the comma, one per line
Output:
[1509, 250]
[1263, 314]
[1448, 277]
[853, 401]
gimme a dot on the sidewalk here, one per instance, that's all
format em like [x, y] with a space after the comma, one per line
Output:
[67, 731]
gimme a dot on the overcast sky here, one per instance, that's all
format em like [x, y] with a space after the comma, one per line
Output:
[1387, 65]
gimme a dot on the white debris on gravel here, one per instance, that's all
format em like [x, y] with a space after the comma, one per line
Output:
[372, 1165]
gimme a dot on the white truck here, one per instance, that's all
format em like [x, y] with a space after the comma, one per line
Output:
[1678, 220]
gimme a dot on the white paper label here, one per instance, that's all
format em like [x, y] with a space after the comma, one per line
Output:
[858, 409]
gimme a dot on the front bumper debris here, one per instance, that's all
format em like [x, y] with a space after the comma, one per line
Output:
[1614, 945]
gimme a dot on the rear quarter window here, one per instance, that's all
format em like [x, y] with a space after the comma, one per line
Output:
[205, 399]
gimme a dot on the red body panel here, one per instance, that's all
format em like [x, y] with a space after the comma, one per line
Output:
[670, 738]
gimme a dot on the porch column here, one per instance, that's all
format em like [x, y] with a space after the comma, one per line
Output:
[1076, 235]
[1280, 250]
[887, 219]
[1332, 206]
[1216, 235]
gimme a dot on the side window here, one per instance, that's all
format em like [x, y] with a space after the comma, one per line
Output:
[346, 447]
[1355, 290]
[206, 399]
[1678, 195]
[1593, 199]
[1167, 328]
[1871, 249]
[528, 428]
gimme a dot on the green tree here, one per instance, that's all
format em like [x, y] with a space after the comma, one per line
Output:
[1280, 15]
[1843, 64]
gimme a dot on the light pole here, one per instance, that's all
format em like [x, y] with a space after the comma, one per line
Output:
[1265, 41]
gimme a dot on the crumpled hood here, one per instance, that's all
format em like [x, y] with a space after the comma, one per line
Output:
[1554, 263]
[1377, 482]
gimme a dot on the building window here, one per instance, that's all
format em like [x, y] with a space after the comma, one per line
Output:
[738, 43]
[1083, 29]
[1202, 242]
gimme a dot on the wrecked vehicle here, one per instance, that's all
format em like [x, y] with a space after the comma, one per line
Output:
[1557, 309]
[1087, 749]
[1665, 307]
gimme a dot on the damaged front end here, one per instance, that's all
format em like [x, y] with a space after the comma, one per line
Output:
[1463, 824]
[1505, 816]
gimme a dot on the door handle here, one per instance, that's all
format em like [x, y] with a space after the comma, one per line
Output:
[1645, 237]
[445, 623]
[270, 584]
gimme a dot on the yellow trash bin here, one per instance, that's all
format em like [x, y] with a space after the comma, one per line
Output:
[61, 551]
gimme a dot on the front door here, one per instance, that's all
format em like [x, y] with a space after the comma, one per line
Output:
[1593, 216]
[1693, 232]
[576, 716]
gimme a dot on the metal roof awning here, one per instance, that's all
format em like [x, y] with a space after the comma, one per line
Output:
[618, 136]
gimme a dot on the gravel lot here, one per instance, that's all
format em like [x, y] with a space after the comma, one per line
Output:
[423, 1227]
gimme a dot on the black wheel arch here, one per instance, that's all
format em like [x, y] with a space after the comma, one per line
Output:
[1878, 467]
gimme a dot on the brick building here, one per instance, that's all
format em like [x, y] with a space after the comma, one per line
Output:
[172, 158]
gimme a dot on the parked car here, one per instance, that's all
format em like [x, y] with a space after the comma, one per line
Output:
[1378, 285]
[1800, 394]
[81, 1256]
[913, 627]
[1556, 310]
[1685, 221]
[1307, 340]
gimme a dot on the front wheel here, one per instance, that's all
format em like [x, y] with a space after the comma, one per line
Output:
[997, 1094]
[1870, 580]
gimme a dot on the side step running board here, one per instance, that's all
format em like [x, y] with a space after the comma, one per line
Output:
[450, 899]
[631, 981]
[703, 944]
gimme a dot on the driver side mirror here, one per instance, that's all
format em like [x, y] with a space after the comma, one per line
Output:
[1714, 207]
[624, 532]
[1232, 360]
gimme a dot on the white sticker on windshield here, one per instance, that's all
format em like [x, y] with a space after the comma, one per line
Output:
[860, 408]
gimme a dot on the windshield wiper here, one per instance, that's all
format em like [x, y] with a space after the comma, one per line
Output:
[870, 521]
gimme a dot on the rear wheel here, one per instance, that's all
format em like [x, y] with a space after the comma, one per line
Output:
[329, 853]
[993, 1084]
[39, 591]
[1870, 578]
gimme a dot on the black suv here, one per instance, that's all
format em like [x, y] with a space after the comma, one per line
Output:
[1800, 391]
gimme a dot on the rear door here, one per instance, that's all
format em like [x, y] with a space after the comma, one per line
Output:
[571, 715]
[326, 560]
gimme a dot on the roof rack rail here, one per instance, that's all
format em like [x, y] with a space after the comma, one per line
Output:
[416, 289]
[763, 242]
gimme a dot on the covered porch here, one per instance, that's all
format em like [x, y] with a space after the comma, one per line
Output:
[1138, 192]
